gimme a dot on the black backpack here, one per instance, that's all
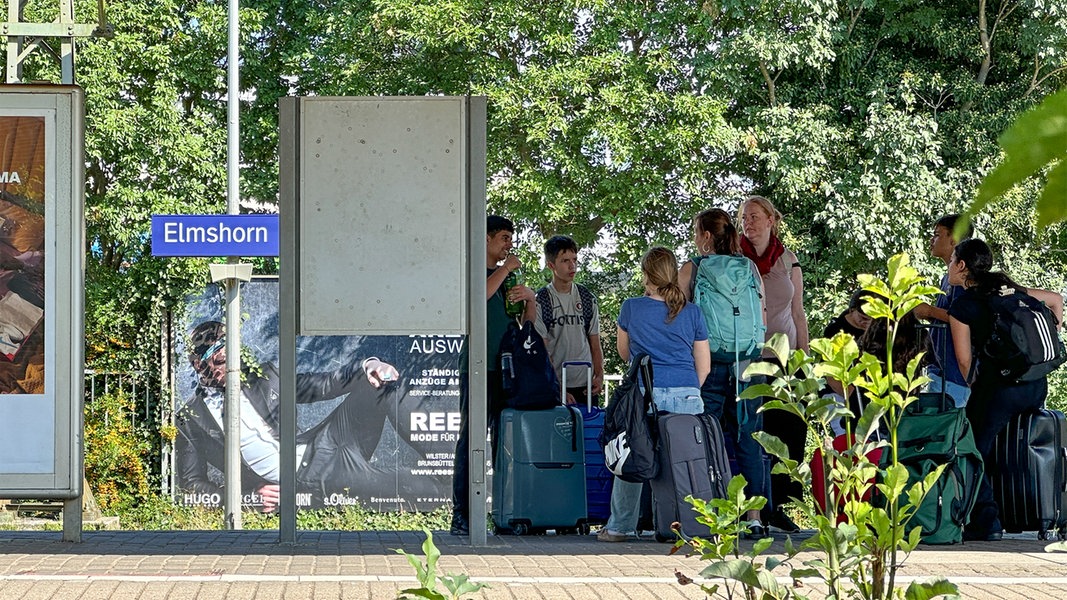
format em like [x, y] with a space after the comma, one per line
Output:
[1024, 344]
[529, 380]
[629, 437]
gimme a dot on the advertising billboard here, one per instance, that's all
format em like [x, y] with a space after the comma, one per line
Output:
[41, 273]
[387, 448]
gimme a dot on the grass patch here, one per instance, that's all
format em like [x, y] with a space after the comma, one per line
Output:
[163, 514]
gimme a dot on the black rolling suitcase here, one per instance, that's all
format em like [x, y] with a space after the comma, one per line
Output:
[692, 462]
[1028, 472]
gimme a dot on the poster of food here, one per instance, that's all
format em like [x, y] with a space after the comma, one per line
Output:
[386, 448]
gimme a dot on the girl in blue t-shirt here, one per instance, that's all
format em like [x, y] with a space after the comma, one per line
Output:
[672, 333]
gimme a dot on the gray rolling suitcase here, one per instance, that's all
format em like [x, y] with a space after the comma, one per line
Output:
[539, 476]
[693, 462]
[1028, 472]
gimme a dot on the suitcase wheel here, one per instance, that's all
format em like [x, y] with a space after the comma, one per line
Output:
[1048, 534]
[520, 528]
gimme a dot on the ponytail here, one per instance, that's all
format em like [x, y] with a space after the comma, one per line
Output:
[978, 258]
[660, 268]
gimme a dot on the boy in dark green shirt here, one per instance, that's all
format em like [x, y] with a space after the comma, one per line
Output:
[499, 262]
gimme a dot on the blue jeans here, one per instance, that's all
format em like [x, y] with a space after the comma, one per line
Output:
[959, 393]
[626, 496]
[739, 421]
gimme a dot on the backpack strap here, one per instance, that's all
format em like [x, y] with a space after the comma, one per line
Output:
[587, 307]
[693, 280]
[544, 301]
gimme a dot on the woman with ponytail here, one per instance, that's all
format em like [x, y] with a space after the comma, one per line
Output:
[994, 401]
[672, 333]
[714, 234]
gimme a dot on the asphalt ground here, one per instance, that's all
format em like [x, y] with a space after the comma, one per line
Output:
[164, 565]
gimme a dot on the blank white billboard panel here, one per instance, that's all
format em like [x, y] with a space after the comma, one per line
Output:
[382, 224]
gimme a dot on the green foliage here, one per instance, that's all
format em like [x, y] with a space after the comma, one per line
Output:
[116, 453]
[457, 586]
[1036, 141]
[859, 557]
[725, 518]
[160, 513]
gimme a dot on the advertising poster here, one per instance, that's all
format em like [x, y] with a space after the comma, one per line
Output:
[389, 448]
[22, 227]
[27, 413]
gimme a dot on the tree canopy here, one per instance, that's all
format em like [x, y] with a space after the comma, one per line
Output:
[611, 121]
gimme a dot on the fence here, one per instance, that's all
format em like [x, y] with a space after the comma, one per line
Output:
[146, 413]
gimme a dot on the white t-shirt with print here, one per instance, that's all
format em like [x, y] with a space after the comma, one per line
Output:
[567, 339]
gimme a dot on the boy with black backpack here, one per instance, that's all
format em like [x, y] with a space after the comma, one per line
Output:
[499, 263]
[569, 321]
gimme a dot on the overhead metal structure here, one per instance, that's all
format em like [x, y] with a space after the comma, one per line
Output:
[23, 38]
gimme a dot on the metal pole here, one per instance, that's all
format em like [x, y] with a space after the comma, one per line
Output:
[66, 54]
[13, 74]
[232, 502]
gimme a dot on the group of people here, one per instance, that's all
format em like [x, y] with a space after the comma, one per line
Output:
[690, 378]
[663, 324]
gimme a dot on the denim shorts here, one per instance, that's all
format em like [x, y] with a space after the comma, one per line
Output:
[685, 400]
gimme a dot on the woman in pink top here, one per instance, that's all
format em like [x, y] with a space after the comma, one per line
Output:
[783, 287]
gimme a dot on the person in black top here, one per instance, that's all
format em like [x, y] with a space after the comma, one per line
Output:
[994, 401]
[853, 321]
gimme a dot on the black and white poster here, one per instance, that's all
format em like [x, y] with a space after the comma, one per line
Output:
[387, 448]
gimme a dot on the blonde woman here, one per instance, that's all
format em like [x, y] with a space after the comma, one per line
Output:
[672, 333]
[783, 287]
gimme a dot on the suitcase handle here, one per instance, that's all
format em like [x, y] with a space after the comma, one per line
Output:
[1063, 475]
[588, 381]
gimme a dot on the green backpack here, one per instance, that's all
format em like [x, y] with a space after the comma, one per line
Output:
[726, 290]
[931, 434]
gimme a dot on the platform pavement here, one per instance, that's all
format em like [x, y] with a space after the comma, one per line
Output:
[150, 565]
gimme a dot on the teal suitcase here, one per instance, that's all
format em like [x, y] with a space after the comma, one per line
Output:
[539, 476]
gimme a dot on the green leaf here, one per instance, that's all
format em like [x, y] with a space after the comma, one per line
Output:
[1037, 137]
[736, 570]
[1052, 205]
[931, 588]
[759, 390]
[761, 545]
[779, 347]
[424, 593]
[460, 585]
[774, 446]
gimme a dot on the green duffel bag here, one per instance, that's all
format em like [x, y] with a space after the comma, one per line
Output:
[931, 434]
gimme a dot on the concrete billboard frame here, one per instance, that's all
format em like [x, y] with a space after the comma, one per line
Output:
[47, 427]
[382, 232]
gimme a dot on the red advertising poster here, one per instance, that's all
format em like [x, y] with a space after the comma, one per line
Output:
[22, 233]
[387, 448]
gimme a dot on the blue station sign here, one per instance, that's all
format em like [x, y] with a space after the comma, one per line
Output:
[215, 235]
